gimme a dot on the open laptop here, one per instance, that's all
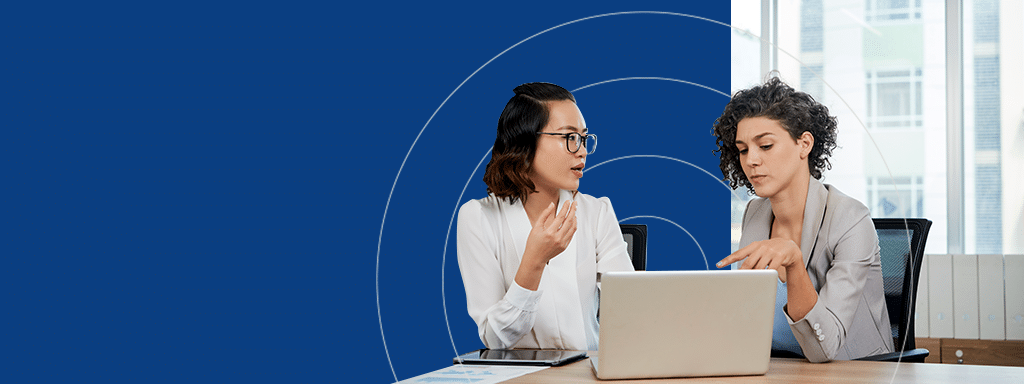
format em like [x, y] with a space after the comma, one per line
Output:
[685, 323]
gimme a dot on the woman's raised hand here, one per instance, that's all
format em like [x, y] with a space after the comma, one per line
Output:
[552, 233]
[550, 236]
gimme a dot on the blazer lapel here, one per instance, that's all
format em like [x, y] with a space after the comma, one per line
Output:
[760, 227]
[814, 212]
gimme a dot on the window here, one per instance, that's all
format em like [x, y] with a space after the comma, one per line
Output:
[883, 62]
[894, 98]
[895, 198]
[892, 10]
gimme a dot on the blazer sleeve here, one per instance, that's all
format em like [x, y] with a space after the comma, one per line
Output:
[502, 317]
[611, 248]
[824, 330]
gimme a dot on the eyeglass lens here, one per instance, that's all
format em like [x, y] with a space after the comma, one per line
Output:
[574, 140]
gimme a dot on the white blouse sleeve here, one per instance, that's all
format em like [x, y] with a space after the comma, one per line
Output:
[611, 248]
[502, 317]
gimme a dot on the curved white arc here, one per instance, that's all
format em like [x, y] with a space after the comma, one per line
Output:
[653, 78]
[408, 153]
[706, 265]
[470, 178]
[733, 191]
[448, 234]
[432, 115]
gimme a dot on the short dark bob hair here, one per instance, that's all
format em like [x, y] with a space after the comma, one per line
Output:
[508, 173]
[796, 111]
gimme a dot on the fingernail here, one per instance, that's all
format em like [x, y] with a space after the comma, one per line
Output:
[719, 265]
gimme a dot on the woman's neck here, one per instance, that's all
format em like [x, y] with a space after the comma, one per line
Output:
[538, 201]
[788, 205]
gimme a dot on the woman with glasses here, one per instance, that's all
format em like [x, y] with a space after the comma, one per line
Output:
[531, 251]
[830, 303]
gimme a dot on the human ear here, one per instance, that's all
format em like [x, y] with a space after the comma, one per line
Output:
[806, 143]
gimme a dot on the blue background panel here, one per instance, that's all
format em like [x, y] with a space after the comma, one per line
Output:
[199, 190]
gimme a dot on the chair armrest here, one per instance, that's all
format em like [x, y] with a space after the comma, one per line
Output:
[912, 356]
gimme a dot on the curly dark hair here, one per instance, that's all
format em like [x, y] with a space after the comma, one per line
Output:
[508, 173]
[796, 111]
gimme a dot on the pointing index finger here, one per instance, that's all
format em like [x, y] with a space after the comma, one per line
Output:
[740, 254]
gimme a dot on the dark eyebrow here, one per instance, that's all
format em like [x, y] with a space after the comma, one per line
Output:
[572, 128]
[758, 137]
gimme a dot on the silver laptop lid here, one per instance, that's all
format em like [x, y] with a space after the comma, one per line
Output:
[658, 324]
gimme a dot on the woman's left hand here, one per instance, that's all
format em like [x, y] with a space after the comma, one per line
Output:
[778, 254]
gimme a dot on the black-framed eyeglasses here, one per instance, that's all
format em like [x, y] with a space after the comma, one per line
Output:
[573, 141]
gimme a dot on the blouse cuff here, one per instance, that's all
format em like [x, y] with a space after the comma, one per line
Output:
[523, 298]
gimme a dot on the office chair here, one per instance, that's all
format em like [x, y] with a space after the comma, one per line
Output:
[635, 236]
[900, 280]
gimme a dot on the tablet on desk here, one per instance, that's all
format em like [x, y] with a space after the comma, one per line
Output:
[544, 357]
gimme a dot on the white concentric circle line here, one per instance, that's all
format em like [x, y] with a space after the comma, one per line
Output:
[418, 135]
[470, 178]
[444, 304]
[706, 265]
[733, 191]
[653, 78]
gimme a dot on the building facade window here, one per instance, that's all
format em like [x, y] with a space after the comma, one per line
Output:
[894, 98]
[883, 63]
[881, 11]
[896, 197]
[984, 181]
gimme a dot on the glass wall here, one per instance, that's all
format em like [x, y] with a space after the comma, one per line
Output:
[880, 67]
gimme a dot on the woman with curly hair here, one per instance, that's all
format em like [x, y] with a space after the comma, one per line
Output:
[531, 269]
[830, 303]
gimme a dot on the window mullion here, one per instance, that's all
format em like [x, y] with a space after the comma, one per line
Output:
[954, 129]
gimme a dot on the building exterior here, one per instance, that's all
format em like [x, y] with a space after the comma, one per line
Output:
[880, 67]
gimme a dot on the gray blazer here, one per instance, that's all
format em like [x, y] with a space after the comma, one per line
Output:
[840, 250]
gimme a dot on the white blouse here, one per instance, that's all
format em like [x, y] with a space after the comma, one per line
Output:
[491, 240]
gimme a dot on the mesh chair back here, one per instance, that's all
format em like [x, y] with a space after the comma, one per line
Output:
[635, 236]
[902, 244]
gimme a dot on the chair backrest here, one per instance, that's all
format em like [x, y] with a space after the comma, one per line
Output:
[902, 248]
[635, 236]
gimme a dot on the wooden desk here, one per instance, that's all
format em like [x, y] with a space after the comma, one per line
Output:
[800, 371]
